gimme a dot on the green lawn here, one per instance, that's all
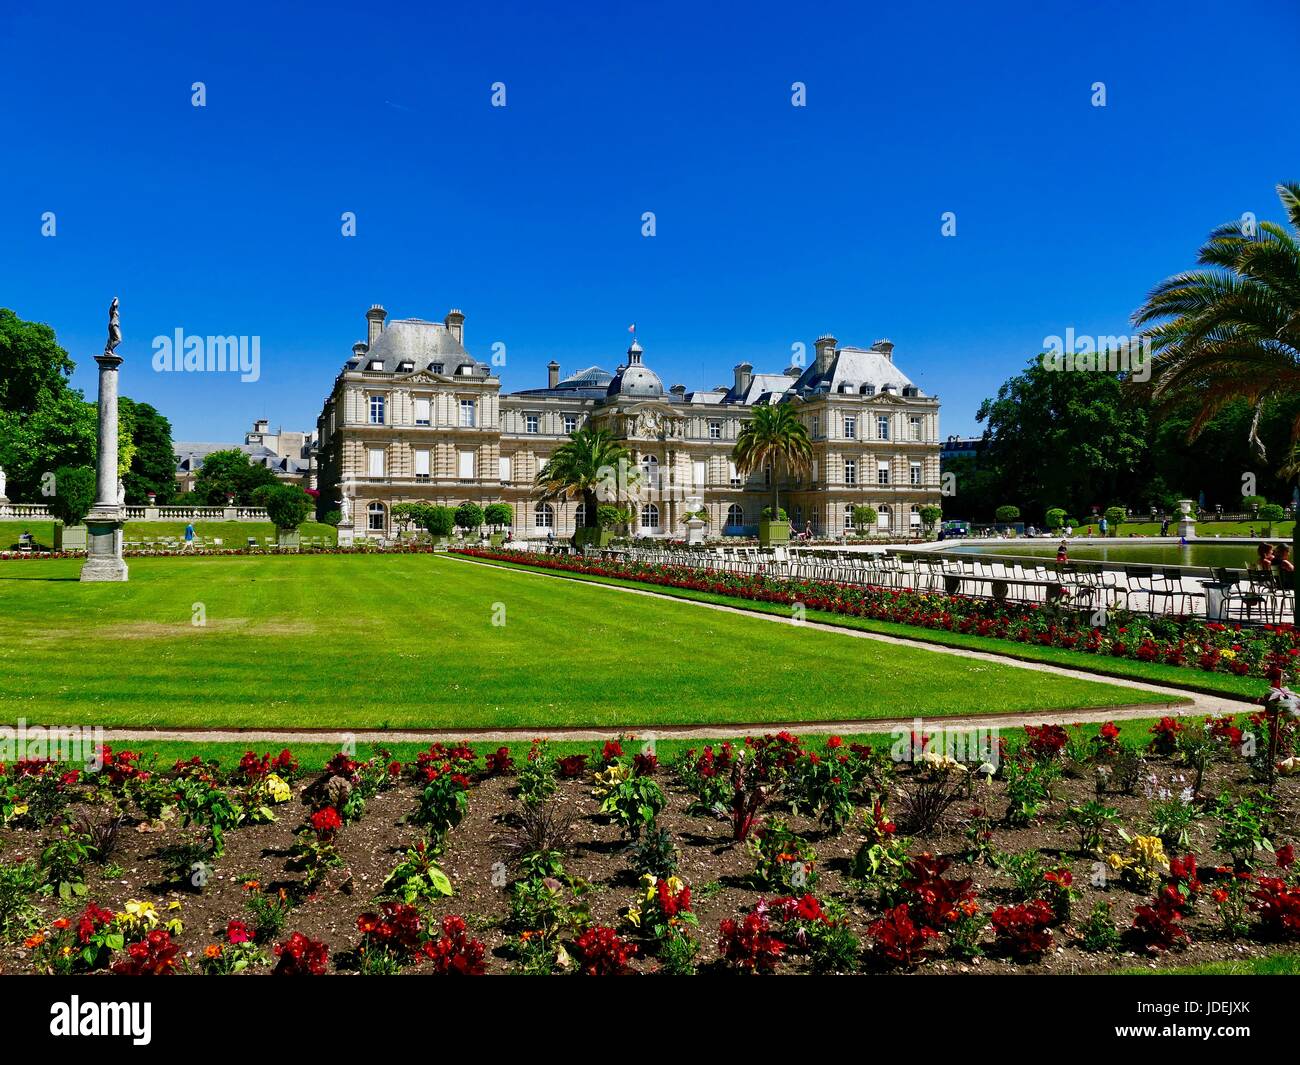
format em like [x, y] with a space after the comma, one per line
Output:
[234, 533]
[410, 641]
[1225, 684]
[1278, 530]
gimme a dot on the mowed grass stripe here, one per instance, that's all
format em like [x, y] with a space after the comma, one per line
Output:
[409, 641]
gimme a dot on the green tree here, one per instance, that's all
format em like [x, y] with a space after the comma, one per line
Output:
[864, 517]
[1007, 513]
[1231, 331]
[33, 367]
[469, 516]
[498, 515]
[1115, 517]
[586, 466]
[153, 462]
[1055, 518]
[930, 516]
[287, 506]
[1064, 437]
[440, 521]
[774, 436]
[229, 472]
[74, 494]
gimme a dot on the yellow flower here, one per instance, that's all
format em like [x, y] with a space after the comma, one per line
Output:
[277, 789]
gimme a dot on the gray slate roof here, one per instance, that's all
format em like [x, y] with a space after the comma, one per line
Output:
[421, 343]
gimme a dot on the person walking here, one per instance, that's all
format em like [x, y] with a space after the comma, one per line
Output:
[189, 536]
[1103, 525]
[1164, 527]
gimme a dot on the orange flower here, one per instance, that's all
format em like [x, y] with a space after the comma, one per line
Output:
[212, 950]
[62, 923]
[34, 941]
[251, 885]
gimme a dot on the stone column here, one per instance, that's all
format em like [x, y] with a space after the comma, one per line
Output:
[106, 518]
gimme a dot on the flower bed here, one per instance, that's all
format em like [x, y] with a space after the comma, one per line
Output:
[1048, 852]
[1242, 650]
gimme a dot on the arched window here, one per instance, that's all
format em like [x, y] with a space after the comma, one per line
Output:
[544, 516]
[884, 516]
[580, 515]
[735, 515]
[915, 518]
[650, 472]
[375, 517]
[650, 516]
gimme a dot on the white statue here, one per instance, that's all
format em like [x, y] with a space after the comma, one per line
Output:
[345, 508]
[3, 497]
[121, 494]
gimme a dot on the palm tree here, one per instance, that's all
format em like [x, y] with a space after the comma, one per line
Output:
[588, 460]
[773, 436]
[1232, 331]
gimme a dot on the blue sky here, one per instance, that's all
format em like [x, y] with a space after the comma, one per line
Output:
[774, 223]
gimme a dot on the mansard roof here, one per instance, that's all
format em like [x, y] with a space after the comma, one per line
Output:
[419, 345]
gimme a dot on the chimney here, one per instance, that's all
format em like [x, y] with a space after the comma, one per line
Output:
[359, 349]
[744, 374]
[375, 322]
[678, 390]
[455, 323]
[552, 374]
[885, 347]
[825, 347]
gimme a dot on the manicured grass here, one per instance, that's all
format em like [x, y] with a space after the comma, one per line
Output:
[423, 641]
[1278, 530]
[1273, 965]
[234, 533]
[1155, 672]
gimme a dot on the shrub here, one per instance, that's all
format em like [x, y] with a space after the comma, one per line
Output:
[418, 878]
[1007, 514]
[287, 506]
[439, 521]
[74, 494]
[634, 803]
[1097, 931]
[469, 516]
[933, 900]
[783, 861]
[498, 515]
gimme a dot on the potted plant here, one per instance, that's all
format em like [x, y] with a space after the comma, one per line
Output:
[774, 528]
[288, 506]
[498, 516]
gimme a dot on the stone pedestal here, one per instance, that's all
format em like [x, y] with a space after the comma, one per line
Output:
[1186, 523]
[346, 532]
[151, 514]
[694, 531]
[106, 518]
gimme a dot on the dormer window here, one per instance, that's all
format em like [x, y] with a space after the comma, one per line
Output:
[405, 366]
[436, 367]
[376, 364]
[868, 390]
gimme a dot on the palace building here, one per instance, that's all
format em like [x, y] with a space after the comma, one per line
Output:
[414, 416]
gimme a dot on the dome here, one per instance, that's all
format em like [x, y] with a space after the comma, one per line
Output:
[635, 379]
[639, 381]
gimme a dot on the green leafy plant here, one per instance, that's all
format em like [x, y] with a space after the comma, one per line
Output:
[1242, 830]
[634, 803]
[783, 861]
[418, 878]
[1098, 932]
[62, 862]
[1089, 819]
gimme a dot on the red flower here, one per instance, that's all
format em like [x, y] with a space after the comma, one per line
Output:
[326, 822]
[601, 952]
[301, 956]
[238, 932]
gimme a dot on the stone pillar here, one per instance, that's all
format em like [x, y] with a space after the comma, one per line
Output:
[106, 518]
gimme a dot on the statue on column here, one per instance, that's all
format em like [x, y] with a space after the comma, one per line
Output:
[3, 497]
[114, 329]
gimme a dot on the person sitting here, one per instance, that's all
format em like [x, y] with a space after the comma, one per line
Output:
[1063, 552]
[1284, 566]
[1263, 560]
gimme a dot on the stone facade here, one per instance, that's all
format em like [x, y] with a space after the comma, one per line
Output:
[413, 416]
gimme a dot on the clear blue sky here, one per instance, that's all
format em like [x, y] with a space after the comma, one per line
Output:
[775, 223]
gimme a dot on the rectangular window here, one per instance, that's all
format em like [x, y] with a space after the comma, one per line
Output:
[376, 410]
[715, 430]
[882, 427]
[421, 410]
[850, 471]
[915, 424]
[503, 466]
[733, 474]
[375, 467]
[814, 471]
[916, 473]
[530, 423]
[421, 465]
[699, 472]
[882, 473]
[570, 423]
[466, 472]
[467, 412]
[850, 428]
